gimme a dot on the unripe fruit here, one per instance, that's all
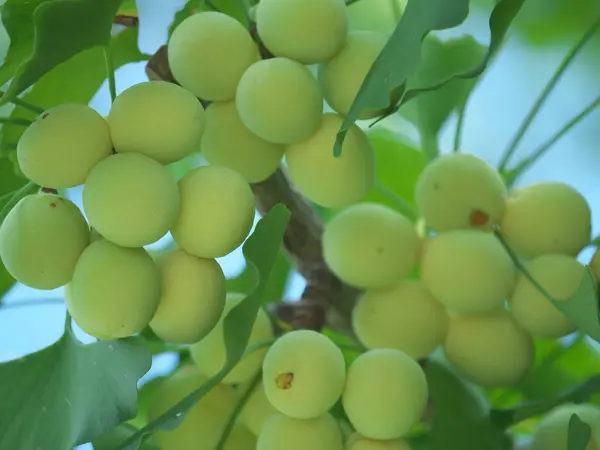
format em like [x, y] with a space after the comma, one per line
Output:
[192, 299]
[210, 353]
[595, 265]
[114, 291]
[240, 438]
[264, 97]
[467, 271]
[358, 442]
[370, 245]
[257, 409]
[282, 432]
[308, 31]
[61, 146]
[131, 199]
[41, 239]
[460, 190]
[491, 350]
[158, 119]
[547, 217]
[329, 181]
[560, 276]
[211, 40]
[405, 316]
[552, 432]
[304, 374]
[385, 394]
[216, 213]
[228, 142]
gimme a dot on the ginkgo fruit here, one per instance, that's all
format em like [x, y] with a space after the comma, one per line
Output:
[552, 431]
[257, 410]
[279, 100]
[560, 276]
[228, 142]
[209, 354]
[192, 297]
[114, 291]
[458, 191]
[308, 31]
[211, 40]
[491, 349]
[547, 217]
[358, 442]
[369, 245]
[158, 119]
[404, 316]
[304, 374]
[342, 76]
[41, 239]
[240, 438]
[327, 180]
[62, 145]
[131, 199]
[467, 271]
[283, 432]
[385, 394]
[216, 213]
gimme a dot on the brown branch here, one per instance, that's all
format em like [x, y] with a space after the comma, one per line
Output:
[126, 20]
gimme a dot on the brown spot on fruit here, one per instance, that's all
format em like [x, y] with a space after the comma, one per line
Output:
[46, 114]
[479, 218]
[284, 381]
[53, 205]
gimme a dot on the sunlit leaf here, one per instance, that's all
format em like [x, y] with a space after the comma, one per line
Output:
[579, 435]
[190, 7]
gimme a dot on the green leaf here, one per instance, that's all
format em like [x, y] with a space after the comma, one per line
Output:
[129, 8]
[110, 439]
[145, 397]
[579, 435]
[260, 251]
[61, 29]
[233, 8]
[68, 393]
[190, 7]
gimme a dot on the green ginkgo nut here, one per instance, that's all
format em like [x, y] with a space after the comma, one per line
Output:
[257, 410]
[552, 432]
[283, 432]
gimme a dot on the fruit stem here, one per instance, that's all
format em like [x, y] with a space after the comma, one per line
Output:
[25, 104]
[459, 126]
[32, 302]
[430, 146]
[402, 205]
[110, 72]
[15, 121]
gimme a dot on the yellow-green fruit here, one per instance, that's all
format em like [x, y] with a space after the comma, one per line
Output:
[202, 427]
[158, 119]
[308, 31]
[405, 316]
[265, 93]
[460, 190]
[304, 374]
[240, 438]
[228, 142]
[216, 213]
[369, 245]
[211, 40]
[468, 271]
[209, 354]
[375, 15]
[283, 432]
[560, 276]
[192, 299]
[114, 291]
[343, 75]
[61, 146]
[41, 239]
[491, 350]
[358, 442]
[257, 410]
[547, 217]
[131, 199]
[552, 432]
[385, 394]
[329, 181]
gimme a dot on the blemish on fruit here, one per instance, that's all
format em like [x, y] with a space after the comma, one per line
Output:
[284, 381]
[478, 218]
[46, 114]
[53, 205]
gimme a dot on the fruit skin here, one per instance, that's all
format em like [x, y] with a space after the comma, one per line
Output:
[342, 76]
[257, 409]
[329, 181]
[228, 142]
[358, 442]
[115, 290]
[62, 145]
[131, 199]
[192, 297]
[215, 40]
[491, 350]
[209, 353]
[458, 191]
[595, 265]
[304, 374]
[385, 394]
[547, 217]
[552, 432]
[216, 213]
[467, 271]
[370, 245]
[308, 31]
[560, 275]
[240, 438]
[265, 93]
[405, 316]
[158, 119]
[282, 432]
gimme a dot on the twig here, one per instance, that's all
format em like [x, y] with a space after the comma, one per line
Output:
[25, 104]
[126, 20]
[15, 121]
